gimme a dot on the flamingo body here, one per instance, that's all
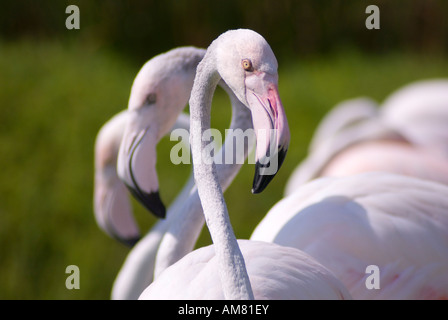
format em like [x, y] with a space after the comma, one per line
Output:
[353, 138]
[420, 112]
[343, 115]
[280, 273]
[389, 156]
[397, 223]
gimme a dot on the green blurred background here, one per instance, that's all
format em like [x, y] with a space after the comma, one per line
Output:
[58, 86]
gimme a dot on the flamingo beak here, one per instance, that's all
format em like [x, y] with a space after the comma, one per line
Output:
[112, 208]
[271, 130]
[113, 211]
[137, 168]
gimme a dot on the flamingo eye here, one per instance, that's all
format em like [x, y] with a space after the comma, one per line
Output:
[150, 99]
[247, 65]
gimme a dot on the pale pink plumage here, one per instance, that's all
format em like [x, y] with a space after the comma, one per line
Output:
[414, 117]
[389, 156]
[275, 272]
[112, 207]
[244, 269]
[396, 222]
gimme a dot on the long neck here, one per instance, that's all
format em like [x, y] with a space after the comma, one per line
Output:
[233, 273]
[138, 269]
[188, 217]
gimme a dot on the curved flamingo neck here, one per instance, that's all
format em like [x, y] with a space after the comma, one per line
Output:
[138, 269]
[232, 268]
[188, 219]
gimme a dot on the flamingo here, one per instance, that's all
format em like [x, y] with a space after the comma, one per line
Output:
[343, 115]
[405, 136]
[395, 222]
[419, 111]
[244, 60]
[112, 207]
[157, 91]
[172, 238]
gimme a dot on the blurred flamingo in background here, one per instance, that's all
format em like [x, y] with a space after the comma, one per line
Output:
[112, 206]
[158, 94]
[396, 222]
[406, 135]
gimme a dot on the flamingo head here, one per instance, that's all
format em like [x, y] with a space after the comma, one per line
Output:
[246, 62]
[159, 93]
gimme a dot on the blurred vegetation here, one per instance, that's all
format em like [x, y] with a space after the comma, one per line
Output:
[143, 28]
[57, 87]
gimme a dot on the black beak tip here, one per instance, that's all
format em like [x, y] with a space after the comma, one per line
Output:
[261, 181]
[130, 242]
[150, 201]
[155, 204]
[264, 173]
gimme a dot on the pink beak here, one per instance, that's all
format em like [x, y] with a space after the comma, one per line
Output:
[272, 132]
